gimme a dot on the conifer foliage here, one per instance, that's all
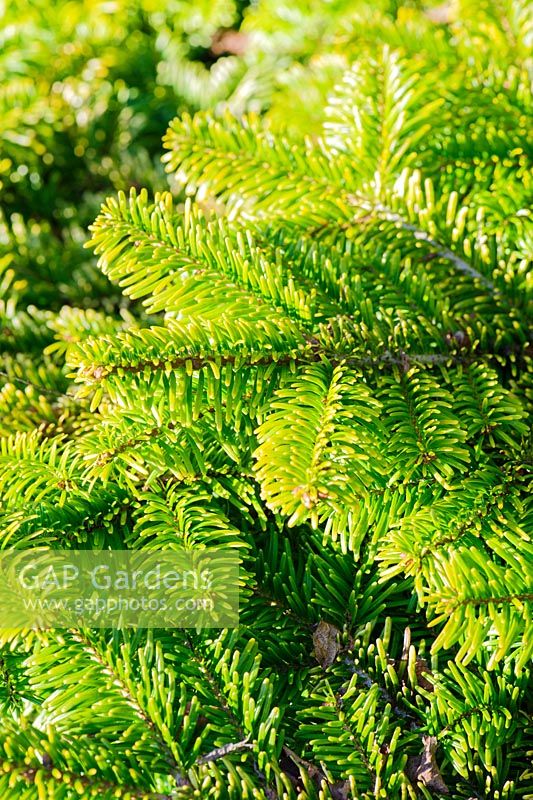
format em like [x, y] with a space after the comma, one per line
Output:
[321, 359]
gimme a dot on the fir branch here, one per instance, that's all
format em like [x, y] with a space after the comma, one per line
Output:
[175, 767]
[382, 212]
[221, 752]
[52, 773]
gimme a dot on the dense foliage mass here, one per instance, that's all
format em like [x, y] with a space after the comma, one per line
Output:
[310, 343]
